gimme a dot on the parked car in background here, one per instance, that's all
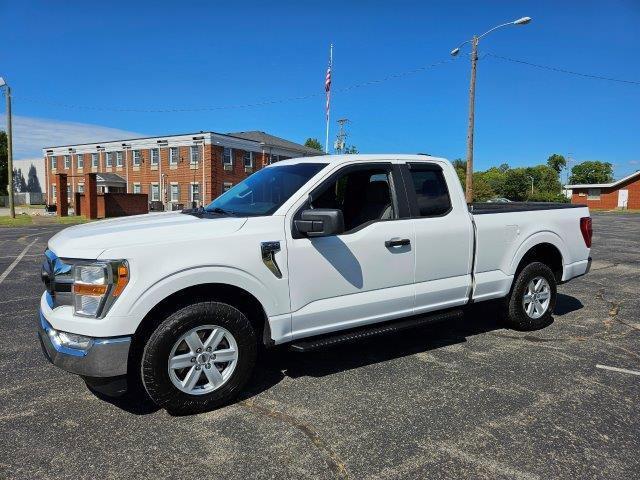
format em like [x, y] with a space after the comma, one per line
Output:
[307, 252]
[499, 200]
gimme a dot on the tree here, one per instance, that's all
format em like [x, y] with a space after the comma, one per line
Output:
[557, 162]
[495, 177]
[482, 190]
[545, 179]
[461, 169]
[313, 143]
[592, 172]
[33, 184]
[351, 150]
[19, 183]
[516, 184]
[4, 163]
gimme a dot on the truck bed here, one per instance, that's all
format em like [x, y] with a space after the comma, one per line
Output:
[482, 208]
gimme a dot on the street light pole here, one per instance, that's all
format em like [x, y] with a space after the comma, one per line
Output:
[12, 208]
[472, 103]
[531, 184]
[472, 98]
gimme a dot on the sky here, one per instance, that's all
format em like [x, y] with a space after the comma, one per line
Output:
[98, 71]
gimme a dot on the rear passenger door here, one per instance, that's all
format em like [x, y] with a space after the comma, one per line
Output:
[443, 237]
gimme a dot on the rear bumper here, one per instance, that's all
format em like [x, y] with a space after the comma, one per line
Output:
[576, 269]
[103, 357]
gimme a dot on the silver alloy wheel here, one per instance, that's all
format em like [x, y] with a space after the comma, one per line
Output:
[203, 359]
[537, 297]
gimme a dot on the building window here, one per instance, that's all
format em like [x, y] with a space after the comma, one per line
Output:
[81, 188]
[155, 192]
[108, 161]
[248, 159]
[173, 155]
[275, 158]
[118, 159]
[195, 192]
[155, 156]
[226, 186]
[94, 160]
[136, 158]
[53, 192]
[195, 154]
[227, 156]
[80, 160]
[68, 193]
[593, 194]
[67, 161]
[136, 188]
[54, 163]
[175, 192]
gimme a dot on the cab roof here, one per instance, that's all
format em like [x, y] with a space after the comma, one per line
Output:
[337, 159]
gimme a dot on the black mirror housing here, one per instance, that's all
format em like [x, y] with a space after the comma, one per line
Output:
[320, 222]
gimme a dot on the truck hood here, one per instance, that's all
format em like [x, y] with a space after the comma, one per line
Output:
[92, 239]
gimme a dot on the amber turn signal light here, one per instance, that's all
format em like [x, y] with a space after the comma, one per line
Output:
[122, 280]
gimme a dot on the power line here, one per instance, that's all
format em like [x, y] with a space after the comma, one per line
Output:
[562, 70]
[239, 106]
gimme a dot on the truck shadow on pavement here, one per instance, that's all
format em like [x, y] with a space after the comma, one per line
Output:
[276, 364]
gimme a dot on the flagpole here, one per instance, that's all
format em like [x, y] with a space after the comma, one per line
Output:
[326, 140]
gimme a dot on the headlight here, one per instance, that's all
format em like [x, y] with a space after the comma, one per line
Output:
[97, 285]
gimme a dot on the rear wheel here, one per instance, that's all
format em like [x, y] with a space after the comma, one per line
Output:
[533, 298]
[199, 358]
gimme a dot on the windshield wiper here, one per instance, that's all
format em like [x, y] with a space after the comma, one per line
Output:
[221, 211]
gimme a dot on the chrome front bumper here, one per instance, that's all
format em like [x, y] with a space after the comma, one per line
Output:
[103, 357]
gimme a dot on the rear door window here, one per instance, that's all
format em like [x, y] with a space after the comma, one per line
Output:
[430, 188]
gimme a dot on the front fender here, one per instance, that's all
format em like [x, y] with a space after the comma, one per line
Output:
[202, 275]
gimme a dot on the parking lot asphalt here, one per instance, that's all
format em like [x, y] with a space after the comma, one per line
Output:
[465, 399]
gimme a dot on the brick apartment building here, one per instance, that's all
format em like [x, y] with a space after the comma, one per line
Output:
[625, 193]
[172, 170]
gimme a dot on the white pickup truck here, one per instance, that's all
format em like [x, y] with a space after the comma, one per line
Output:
[307, 252]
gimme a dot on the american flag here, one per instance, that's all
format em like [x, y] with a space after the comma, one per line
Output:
[327, 88]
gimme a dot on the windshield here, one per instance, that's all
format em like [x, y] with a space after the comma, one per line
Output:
[263, 192]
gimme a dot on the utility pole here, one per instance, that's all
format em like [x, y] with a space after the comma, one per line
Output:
[472, 102]
[12, 208]
[341, 136]
[472, 97]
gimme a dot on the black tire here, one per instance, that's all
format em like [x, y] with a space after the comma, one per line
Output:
[155, 357]
[515, 315]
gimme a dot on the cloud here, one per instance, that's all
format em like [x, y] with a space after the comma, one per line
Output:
[31, 134]
[634, 162]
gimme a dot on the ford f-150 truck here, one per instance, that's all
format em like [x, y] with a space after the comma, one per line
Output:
[306, 252]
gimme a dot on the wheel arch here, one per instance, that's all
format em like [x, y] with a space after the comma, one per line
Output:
[547, 250]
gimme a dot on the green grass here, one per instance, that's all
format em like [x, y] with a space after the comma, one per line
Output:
[71, 220]
[19, 221]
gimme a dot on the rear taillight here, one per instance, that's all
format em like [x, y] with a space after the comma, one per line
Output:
[587, 230]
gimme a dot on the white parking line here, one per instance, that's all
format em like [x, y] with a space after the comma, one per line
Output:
[6, 273]
[616, 369]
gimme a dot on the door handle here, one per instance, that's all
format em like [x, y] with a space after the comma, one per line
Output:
[397, 242]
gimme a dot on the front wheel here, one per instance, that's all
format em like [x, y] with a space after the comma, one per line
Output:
[199, 358]
[533, 298]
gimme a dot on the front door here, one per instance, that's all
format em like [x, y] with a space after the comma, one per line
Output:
[364, 275]
[623, 198]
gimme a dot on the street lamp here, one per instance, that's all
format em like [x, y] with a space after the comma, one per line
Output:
[12, 208]
[472, 94]
[531, 178]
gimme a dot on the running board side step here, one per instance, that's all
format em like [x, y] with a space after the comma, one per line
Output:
[353, 335]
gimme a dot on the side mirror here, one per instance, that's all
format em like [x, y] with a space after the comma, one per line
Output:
[320, 222]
